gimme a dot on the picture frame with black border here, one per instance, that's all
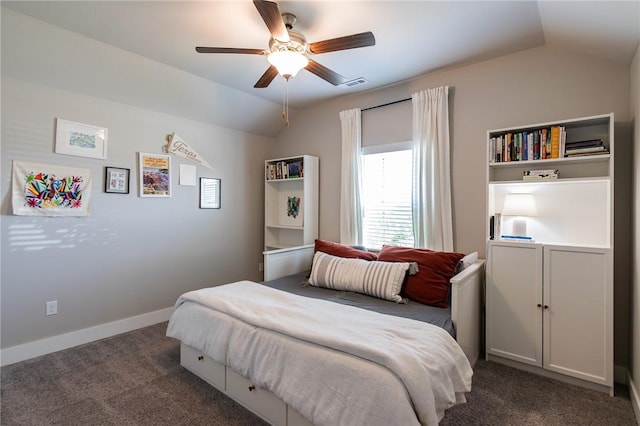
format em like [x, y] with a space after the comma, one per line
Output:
[210, 193]
[116, 180]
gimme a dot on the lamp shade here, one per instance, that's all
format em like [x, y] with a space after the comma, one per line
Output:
[520, 205]
[287, 62]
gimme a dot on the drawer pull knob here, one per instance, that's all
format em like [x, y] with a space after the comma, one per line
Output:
[200, 357]
[546, 306]
[252, 388]
[539, 305]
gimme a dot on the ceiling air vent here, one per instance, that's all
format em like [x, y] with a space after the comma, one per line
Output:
[354, 83]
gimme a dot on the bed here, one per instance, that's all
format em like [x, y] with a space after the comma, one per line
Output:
[268, 346]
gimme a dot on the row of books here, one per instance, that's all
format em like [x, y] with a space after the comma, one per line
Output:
[540, 144]
[284, 170]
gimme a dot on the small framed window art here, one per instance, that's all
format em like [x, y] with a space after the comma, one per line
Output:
[116, 180]
[210, 193]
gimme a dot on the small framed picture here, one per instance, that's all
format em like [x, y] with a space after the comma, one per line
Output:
[155, 175]
[209, 193]
[80, 139]
[116, 180]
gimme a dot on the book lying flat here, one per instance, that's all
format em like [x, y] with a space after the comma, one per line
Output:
[517, 238]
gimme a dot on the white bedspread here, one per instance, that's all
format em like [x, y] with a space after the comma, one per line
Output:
[427, 361]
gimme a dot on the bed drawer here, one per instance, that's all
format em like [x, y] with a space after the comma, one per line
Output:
[260, 401]
[295, 419]
[203, 366]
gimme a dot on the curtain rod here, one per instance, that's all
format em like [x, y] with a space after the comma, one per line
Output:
[387, 104]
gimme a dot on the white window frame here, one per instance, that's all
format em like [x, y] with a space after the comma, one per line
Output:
[382, 148]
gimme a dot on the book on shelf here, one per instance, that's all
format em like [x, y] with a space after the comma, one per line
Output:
[584, 143]
[270, 172]
[585, 147]
[295, 169]
[517, 238]
[569, 152]
[532, 175]
[555, 141]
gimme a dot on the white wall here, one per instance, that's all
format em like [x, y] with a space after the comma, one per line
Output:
[538, 85]
[132, 255]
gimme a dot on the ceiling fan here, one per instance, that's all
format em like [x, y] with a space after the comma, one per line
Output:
[288, 49]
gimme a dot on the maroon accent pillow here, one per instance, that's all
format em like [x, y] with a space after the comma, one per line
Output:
[341, 250]
[435, 268]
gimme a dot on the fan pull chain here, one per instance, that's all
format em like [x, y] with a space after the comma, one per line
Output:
[285, 102]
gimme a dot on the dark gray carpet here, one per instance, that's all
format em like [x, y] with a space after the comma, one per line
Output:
[136, 379]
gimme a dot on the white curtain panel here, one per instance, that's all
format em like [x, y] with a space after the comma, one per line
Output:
[432, 219]
[350, 186]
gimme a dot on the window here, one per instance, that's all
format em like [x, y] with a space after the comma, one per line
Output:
[386, 195]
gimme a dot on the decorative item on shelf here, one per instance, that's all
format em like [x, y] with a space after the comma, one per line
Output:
[291, 208]
[535, 175]
[519, 205]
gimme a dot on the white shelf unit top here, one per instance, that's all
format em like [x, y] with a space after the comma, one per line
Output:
[575, 209]
[283, 230]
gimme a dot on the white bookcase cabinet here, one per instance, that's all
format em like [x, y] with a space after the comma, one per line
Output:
[549, 303]
[284, 228]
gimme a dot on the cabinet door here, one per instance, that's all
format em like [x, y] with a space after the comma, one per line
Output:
[578, 315]
[514, 295]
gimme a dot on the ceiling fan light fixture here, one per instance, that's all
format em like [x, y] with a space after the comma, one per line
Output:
[287, 62]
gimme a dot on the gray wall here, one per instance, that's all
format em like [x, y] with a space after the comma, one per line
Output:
[538, 85]
[132, 255]
[635, 292]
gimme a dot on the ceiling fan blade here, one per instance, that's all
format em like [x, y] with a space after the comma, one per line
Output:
[343, 43]
[271, 16]
[325, 73]
[201, 49]
[266, 78]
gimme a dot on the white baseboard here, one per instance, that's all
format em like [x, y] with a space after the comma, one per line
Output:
[68, 340]
[634, 395]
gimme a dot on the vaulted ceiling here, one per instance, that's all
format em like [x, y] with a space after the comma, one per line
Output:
[412, 37]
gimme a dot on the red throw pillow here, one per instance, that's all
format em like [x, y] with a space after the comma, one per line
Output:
[341, 250]
[435, 268]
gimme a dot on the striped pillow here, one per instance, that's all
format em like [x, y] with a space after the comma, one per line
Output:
[379, 279]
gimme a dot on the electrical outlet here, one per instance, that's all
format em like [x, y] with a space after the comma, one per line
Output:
[52, 308]
[260, 267]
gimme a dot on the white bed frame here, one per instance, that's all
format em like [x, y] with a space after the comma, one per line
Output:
[467, 289]
[466, 313]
